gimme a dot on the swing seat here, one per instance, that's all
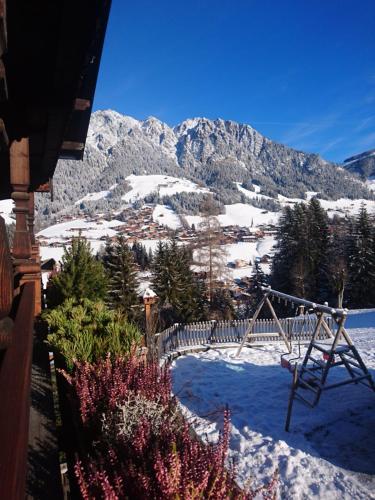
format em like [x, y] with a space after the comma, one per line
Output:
[285, 363]
[288, 363]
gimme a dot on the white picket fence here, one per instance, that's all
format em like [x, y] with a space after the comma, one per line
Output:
[182, 336]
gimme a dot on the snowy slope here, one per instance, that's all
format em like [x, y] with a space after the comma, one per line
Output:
[246, 215]
[330, 451]
[63, 232]
[164, 185]
[96, 196]
[165, 216]
[94, 229]
[240, 214]
[252, 194]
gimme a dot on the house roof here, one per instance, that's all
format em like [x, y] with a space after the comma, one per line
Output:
[50, 50]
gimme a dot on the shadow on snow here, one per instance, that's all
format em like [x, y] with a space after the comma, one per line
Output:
[340, 429]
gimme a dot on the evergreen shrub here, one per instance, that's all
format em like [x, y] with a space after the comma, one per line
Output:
[88, 330]
[81, 275]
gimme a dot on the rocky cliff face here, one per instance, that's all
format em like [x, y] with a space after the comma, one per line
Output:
[213, 153]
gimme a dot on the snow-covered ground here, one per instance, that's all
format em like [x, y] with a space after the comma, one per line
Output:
[51, 253]
[61, 233]
[6, 207]
[90, 229]
[340, 206]
[164, 185]
[249, 252]
[329, 452]
[96, 196]
[240, 214]
[165, 216]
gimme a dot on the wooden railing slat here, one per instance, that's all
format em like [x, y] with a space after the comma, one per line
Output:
[15, 377]
[6, 273]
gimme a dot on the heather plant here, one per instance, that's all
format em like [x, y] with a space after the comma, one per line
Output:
[87, 330]
[140, 446]
[136, 407]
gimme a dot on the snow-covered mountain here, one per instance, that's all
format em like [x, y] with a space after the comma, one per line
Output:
[218, 155]
[362, 164]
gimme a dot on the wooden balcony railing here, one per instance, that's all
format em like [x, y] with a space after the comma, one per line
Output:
[17, 312]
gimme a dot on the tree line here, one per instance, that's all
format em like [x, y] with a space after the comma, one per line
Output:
[316, 258]
[325, 260]
[113, 277]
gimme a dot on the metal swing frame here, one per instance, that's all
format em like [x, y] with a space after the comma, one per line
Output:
[340, 352]
[268, 293]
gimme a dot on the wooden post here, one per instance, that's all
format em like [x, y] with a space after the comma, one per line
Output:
[149, 299]
[291, 397]
[278, 324]
[25, 251]
[251, 324]
[30, 220]
[20, 180]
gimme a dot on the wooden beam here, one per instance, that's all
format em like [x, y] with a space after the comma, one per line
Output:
[251, 324]
[43, 188]
[3, 27]
[20, 180]
[47, 187]
[3, 83]
[81, 104]
[280, 328]
[19, 164]
[72, 146]
[4, 141]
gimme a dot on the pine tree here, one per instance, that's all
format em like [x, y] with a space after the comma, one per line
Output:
[362, 262]
[260, 279]
[221, 306]
[119, 263]
[302, 241]
[335, 266]
[300, 252]
[180, 294]
[81, 276]
[141, 256]
[285, 253]
[317, 245]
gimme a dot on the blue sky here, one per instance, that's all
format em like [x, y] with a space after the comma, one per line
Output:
[302, 72]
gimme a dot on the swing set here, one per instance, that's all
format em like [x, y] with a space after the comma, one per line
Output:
[337, 349]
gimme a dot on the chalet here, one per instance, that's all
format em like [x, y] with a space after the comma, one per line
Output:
[50, 53]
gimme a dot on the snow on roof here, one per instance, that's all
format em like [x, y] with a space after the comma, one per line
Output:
[148, 294]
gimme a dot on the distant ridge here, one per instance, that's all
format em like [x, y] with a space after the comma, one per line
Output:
[214, 154]
[362, 164]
